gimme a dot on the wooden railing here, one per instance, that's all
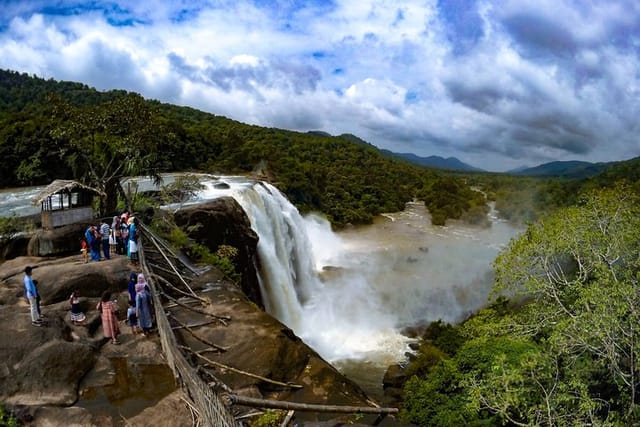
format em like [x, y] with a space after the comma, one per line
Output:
[210, 407]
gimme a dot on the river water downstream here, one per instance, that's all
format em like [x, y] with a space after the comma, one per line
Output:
[400, 272]
[349, 294]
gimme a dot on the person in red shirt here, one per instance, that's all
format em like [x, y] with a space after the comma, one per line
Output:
[84, 249]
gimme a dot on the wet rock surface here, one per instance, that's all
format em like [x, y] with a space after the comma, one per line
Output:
[50, 375]
[223, 222]
[66, 374]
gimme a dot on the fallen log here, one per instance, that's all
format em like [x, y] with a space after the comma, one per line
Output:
[310, 407]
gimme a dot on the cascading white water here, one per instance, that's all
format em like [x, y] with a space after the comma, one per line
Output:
[338, 318]
[287, 275]
[398, 272]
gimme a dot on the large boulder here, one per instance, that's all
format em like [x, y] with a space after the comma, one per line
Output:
[58, 277]
[14, 246]
[40, 365]
[223, 222]
[157, 415]
[49, 374]
[58, 241]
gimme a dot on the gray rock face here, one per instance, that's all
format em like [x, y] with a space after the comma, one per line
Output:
[224, 222]
[50, 373]
[57, 242]
[49, 368]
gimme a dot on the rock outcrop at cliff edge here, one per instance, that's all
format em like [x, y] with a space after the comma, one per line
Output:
[51, 372]
[223, 222]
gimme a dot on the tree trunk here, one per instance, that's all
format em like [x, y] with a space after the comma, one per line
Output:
[109, 202]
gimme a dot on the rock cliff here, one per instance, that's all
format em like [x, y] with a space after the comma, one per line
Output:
[66, 374]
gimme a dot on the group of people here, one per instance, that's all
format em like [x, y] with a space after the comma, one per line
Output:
[139, 313]
[121, 237]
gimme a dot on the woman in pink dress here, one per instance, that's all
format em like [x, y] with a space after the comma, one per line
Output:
[107, 309]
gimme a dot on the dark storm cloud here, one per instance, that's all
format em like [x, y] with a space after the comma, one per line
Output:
[538, 34]
[503, 82]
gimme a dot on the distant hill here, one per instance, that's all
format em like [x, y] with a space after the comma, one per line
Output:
[564, 169]
[437, 162]
[344, 177]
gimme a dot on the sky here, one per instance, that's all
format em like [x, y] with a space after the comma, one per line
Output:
[499, 84]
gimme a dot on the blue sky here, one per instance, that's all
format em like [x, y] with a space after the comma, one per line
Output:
[497, 84]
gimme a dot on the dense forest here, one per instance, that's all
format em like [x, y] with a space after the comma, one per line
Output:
[557, 345]
[563, 350]
[51, 130]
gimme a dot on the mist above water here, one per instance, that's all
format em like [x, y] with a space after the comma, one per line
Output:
[349, 294]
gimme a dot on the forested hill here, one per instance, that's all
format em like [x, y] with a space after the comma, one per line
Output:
[51, 129]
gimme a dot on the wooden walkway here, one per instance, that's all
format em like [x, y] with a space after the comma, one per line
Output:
[180, 314]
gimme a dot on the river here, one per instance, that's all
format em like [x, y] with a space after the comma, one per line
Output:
[349, 294]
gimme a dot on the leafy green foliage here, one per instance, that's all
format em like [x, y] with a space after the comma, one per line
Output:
[7, 418]
[12, 225]
[63, 130]
[182, 189]
[270, 418]
[567, 354]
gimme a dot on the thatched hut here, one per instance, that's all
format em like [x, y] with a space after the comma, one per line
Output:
[65, 202]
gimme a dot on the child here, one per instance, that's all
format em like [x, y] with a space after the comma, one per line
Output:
[84, 249]
[77, 316]
[132, 318]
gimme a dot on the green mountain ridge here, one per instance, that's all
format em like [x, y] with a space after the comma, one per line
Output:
[565, 169]
[51, 130]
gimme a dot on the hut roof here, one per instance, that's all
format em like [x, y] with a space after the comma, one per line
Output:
[61, 186]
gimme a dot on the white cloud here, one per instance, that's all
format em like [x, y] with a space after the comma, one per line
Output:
[497, 84]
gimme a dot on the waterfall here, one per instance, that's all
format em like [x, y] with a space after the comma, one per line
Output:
[339, 317]
[287, 276]
[349, 295]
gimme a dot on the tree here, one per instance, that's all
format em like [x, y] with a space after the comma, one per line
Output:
[579, 270]
[106, 142]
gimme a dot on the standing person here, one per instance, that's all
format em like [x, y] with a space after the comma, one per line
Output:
[104, 233]
[131, 287]
[124, 217]
[144, 306]
[90, 237]
[113, 233]
[133, 240]
[40, 315]
[124, 236]
[32, 295]
[107, 309]
[132, 318]
[84, 250]
[77, 316]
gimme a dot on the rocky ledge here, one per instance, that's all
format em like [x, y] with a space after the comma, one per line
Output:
[62, 374]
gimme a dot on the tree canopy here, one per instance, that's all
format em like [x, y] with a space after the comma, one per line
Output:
[66, 130]
[568, 355]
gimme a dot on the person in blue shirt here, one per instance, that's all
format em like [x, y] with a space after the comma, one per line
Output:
[32, 296]
[94, 244]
